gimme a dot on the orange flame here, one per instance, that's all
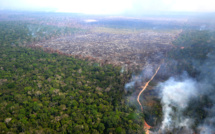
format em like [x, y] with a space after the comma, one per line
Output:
[146, 126]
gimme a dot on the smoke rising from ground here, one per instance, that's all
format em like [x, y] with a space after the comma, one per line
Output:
[146, 73]
[207, 76]
[187, 102]
[175, 94]
[178, 92]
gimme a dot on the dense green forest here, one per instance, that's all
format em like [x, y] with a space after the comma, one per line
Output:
[44, 92]
[22, 33]
[51, 93]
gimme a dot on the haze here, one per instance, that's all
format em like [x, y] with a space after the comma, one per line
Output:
[109, 6]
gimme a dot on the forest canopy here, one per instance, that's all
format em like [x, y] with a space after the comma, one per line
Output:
[53, 93]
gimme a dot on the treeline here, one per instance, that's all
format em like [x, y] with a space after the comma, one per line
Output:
[21, 33]
[191, 49]
[51, 93]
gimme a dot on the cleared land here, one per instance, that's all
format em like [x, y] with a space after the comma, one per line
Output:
[125, 47]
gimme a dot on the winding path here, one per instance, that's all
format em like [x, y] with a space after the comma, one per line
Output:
[146, 126]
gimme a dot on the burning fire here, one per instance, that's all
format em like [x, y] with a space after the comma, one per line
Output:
[146, 126]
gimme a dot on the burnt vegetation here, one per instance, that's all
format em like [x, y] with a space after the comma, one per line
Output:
[60, 74]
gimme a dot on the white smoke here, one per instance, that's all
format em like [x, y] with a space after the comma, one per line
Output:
[207, 70]
[175, 96]
[177, 92]
[183, 94]
[146, 73]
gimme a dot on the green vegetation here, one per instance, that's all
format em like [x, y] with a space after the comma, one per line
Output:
[192, 48]
[20, 33]
[52, 93]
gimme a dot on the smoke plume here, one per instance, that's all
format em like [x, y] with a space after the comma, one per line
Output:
[138, 80]
[185, 99]
[175, 95]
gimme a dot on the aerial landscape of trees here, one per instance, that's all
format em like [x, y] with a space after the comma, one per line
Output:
[44, 89]
[51, 93]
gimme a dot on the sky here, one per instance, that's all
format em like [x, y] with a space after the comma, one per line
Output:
[110, 6]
